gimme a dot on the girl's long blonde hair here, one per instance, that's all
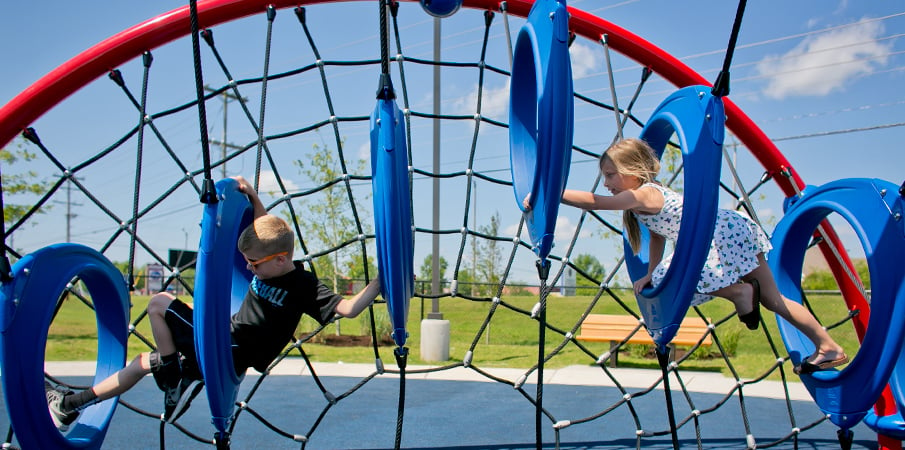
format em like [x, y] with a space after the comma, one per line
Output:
[636, 158]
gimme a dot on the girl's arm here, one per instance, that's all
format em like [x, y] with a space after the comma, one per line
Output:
[656, 244]
[655, 251]
[643, 200]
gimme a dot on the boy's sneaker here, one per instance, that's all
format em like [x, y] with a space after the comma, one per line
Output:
[176, 400]
[62, 419]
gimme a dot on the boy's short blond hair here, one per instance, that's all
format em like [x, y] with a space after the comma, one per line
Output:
[268, 234]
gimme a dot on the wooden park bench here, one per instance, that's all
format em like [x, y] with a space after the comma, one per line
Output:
[620, 329]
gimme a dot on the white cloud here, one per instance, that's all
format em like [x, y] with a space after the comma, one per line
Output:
[565, 229]
[495, 101]
[512, 228]
[268, 184]
[585, 60]
[824, 63]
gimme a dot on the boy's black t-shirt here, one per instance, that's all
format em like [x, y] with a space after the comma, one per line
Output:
[270, 313]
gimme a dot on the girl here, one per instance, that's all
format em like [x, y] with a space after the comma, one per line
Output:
[735, 268]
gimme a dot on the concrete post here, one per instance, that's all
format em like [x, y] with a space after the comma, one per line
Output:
[434, 340]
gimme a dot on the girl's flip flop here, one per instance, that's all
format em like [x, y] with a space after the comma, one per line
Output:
[752, 319]
[810, 365]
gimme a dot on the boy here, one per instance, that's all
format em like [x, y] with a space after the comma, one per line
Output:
[280, 292]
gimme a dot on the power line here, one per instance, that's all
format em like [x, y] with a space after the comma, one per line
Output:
[834, 132]
[793, 36]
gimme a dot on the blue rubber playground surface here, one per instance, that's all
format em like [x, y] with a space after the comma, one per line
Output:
[456, 413]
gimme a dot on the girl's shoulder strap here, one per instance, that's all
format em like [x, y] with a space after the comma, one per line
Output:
[654, 185]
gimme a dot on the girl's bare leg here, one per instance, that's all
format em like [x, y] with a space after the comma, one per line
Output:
[795, 313]
[740, 294]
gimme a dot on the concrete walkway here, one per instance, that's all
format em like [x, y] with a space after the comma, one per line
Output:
[703, 382]
[462, 409]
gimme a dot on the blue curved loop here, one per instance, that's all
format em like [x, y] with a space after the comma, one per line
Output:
[221, 283]
[870, 207]
[392, 213]
[541, 119]
[28, 305]
[697, 118]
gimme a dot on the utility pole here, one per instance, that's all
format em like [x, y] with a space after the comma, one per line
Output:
[223, 143]
[69, 205]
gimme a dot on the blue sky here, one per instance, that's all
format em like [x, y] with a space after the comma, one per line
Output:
[823, 79]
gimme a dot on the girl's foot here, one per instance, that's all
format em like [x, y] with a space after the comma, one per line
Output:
[752, 319]
[821, 361]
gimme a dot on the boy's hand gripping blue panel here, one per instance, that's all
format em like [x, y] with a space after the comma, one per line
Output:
[28, 305]
[541, 122]
[221, 282]
[874, 210]
[392, 213]
[697, 118]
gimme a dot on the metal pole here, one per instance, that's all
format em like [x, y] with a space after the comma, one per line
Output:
[435, 248]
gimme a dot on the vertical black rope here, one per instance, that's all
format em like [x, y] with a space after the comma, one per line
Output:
[385, 89]
[402, 354]
[663, 358]
[271, 14]
[846, 437]
[721, 85]
[147, 59]
[543, 271]
[208, 193]
[384, 39]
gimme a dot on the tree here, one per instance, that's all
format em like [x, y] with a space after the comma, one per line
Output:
[488, 258]
[590, 266]
[19, 183]
[327, 220]
[426, 270]
[356, 270]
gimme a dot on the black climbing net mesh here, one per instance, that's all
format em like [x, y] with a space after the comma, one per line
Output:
[299, 126]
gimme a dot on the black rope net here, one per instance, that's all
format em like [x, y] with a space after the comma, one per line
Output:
[309, 163]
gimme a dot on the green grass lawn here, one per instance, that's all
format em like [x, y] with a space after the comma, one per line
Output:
[510, 339]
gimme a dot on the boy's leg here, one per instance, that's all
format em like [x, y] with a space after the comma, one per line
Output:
[164, 363]
[163, 335]
[123, 380]
[64, 404]
[178, 391]
[61, 416]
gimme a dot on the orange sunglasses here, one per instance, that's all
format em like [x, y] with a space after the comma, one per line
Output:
[254, 263]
